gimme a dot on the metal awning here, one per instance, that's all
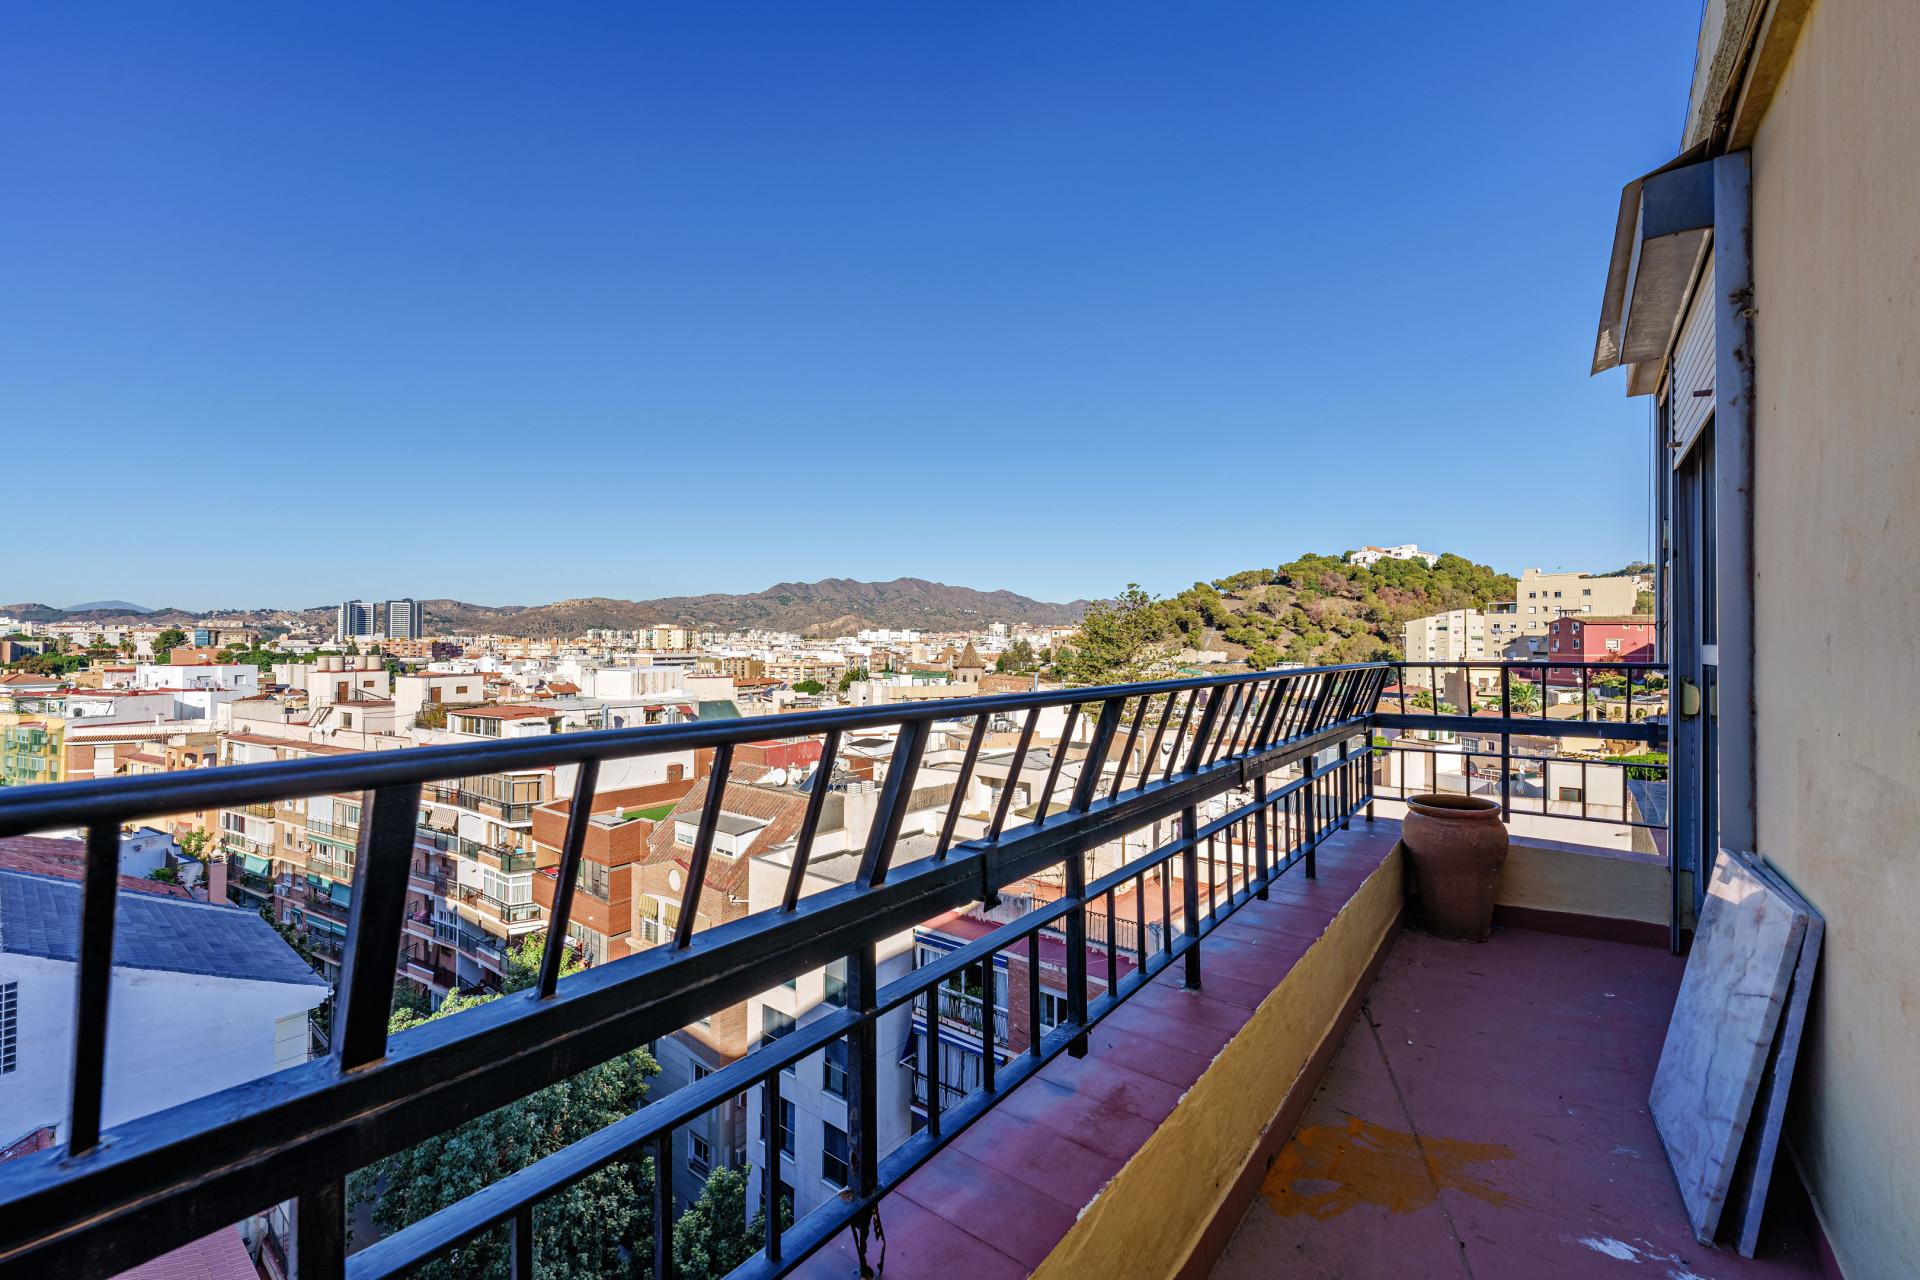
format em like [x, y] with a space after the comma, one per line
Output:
[1660, 241]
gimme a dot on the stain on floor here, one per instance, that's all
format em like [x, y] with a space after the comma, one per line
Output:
[1329, 1169]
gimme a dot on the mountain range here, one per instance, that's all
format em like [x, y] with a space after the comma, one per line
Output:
[830, 607]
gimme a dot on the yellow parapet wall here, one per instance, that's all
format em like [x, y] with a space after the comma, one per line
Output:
[1155, 1217]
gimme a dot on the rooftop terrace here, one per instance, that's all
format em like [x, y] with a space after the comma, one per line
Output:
[1131, 1137]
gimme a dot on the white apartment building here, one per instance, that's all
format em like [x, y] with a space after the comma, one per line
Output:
[811, 1131]
[1459, 635]
[237, 677]
[1367, 557]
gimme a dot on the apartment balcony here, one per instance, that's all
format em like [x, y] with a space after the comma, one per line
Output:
[479, 946]
[1260, 1064]
[501, 859]
[334, 868]
[958, 1009]
[508, 860]
[514, 813]
[504, 912]
[425, 880]
[320, 904]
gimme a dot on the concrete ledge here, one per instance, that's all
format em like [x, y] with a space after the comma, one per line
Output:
[1171, 1208]
[1552, 881]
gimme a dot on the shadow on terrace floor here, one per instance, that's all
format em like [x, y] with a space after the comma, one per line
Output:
[1486, 1117]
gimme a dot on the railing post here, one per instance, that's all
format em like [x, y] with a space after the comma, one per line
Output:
[579, 813]
[863, 1070]
[770, 1164]
[663, 1268]
[320, 1232]
[99, 887]
[520, 1266]
[1260, 834]
[1076, 931]
[1205, 731]
[380, 871]
[1310, 815]
[1506, 745]
[1190, 895]
[1341, 774]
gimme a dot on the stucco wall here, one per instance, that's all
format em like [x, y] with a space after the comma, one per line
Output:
[1837, 551]
[171, 1037]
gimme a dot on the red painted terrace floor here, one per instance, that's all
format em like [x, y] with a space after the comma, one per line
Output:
[1486, 1117]
[996, 1201]
[1519, 1068]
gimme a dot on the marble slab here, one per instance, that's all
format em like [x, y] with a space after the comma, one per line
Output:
[1722, 1031]
[1753, 1173]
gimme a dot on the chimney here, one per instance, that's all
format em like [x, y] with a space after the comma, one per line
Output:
[216, 879]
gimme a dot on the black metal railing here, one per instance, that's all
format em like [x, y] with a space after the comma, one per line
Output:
[1504, 733]
[1281, 751]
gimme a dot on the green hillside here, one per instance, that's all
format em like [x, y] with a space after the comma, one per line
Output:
[1317, 609]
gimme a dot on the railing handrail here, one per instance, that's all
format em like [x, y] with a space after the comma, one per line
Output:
[83, 803]
[100, 1208]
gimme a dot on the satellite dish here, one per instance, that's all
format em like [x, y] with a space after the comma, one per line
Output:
[778, 778]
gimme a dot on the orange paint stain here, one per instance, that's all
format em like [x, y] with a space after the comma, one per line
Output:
[1329, 1169]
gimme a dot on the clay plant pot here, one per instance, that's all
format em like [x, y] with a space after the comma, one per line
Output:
[1458, 845]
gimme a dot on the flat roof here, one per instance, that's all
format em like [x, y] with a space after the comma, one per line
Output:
[732, 824]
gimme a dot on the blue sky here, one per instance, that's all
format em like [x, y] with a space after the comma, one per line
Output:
[515, 303]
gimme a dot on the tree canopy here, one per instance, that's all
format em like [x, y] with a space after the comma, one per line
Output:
[1314, 609]
[602, 1226]
[1119, 639]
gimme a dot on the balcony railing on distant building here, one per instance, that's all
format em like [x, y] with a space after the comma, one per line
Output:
[1258, 769]
[960, 1009]
[513, 812]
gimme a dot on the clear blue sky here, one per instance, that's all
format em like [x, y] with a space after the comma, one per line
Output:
[515, 303]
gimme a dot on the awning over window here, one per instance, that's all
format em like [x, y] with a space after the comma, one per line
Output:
[1660, 243]
[256, 864]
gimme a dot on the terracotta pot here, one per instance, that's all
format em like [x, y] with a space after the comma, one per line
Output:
[1458, 845]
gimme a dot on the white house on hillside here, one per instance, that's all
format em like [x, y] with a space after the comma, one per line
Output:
[1367, 557]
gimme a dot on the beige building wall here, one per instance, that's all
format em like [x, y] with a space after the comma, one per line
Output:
[1542, 597]
[1836, 218]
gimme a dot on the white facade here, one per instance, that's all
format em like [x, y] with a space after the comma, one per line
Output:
[630, 682]
[814, 1129]
[173, 1037]
[240, 677]
[1459, 635]
[1366, 557]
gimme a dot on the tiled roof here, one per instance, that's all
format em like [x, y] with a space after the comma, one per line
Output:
[220, 1256]
[781, 810]
[40, 916]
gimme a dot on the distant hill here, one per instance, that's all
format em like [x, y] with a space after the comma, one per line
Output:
[98, 611]
[832, 606]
